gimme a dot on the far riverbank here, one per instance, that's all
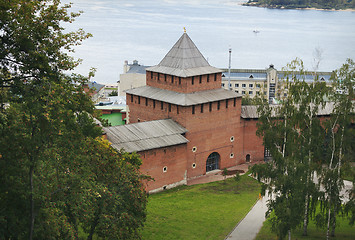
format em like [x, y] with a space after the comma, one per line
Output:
[262, 5]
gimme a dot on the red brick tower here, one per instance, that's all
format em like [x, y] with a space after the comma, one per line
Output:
[185, 88]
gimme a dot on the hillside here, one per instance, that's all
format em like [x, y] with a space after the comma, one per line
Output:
[290, 4]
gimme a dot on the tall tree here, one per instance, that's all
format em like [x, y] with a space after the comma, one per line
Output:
[340, 135]
[292, 133]
[48, 179]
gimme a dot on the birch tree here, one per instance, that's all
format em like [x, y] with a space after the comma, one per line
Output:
[339, 133]
[292, 133]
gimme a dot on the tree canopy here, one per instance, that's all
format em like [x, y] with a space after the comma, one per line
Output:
[305, 147]
[58, 177]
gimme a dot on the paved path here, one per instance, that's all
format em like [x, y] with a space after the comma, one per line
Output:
[248, 228]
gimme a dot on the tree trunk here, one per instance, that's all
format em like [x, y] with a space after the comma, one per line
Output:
[96, 220]
[332, 234]
[305, 218]
[309, 177]
[32, 205]
[289, 234]
[328, 224]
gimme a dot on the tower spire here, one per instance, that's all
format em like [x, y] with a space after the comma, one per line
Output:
[184, 30]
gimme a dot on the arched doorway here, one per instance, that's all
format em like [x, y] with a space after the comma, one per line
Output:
[212, 162]
[247, 158]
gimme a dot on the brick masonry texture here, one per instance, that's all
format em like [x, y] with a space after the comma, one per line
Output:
[184, 85]
[212, 127]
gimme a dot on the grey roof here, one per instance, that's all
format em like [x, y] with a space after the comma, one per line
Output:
[259, 74]
[143, 136]
[95, 86]
[136, 68]
[183, 99]
[251, 111]
[184, 60]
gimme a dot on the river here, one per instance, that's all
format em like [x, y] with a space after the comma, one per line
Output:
[145, 30]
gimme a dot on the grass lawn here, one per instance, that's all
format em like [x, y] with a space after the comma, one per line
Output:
[206, 211]
[343, 231]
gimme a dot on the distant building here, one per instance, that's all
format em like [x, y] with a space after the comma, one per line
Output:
[247, 82]
[95, 91]
[252, 82]
[114, 110]
[133, 76]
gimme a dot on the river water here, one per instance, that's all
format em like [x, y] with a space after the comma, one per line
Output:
[145, 30]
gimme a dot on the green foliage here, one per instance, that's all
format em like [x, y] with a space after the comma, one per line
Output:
[225, 172]
[303, 147]
[113, 93]
[294, 135]
[55, 174]
[345, 231]
[237, 177]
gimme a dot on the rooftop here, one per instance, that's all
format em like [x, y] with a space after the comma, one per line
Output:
[251, 111]
[184, 60]
[144, 136]
[183, 99]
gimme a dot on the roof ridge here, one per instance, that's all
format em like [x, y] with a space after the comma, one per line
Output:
[184, 59]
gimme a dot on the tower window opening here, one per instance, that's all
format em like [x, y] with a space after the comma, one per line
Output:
[193, 109]
[192, 80]
[200, 78]
[210, 107]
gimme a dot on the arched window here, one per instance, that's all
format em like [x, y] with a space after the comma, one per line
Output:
[212, 162]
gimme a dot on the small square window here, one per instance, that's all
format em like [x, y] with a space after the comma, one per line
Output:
[244, 85]
[222, 84]
[250, 92]
[236, 85]
[251, 85]
[243, 92]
